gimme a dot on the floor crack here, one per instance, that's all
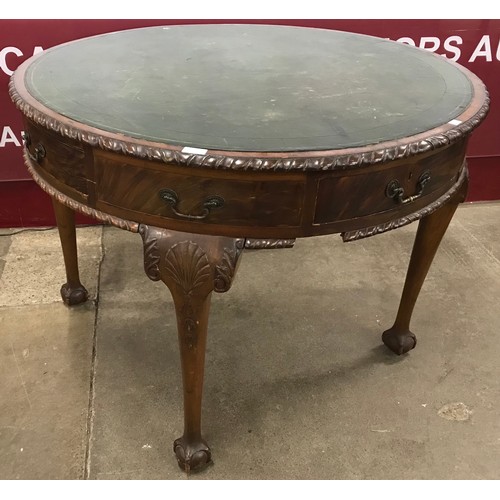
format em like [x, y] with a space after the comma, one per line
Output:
[91, 409]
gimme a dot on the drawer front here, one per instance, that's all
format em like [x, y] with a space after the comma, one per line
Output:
[366, 193]
[62, 158]
[208, 198]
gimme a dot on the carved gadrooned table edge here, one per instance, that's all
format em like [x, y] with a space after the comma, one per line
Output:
[321, 161]
[268, 244]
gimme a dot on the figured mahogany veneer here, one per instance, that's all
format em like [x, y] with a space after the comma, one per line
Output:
[257, 204]
[316, 144]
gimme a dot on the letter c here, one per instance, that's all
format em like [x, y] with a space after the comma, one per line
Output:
[3, 58]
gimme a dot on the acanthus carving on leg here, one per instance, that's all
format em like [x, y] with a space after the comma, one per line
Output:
[187, 265]
[225, 271]
[150, 237]
[192, 266]
[187, 253]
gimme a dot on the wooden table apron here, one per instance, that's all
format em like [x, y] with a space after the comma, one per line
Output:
[197, 212]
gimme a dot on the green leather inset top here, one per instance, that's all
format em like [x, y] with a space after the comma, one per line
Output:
[249, 87]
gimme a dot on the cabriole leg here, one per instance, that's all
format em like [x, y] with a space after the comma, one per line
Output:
[72, 292]
[192, 266]
[431, 229]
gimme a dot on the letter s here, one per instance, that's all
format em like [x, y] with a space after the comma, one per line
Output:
[451, 48]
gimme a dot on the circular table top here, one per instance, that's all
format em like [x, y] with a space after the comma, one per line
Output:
[250, 88]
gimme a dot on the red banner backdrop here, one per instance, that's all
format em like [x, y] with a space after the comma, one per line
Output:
[472, 43]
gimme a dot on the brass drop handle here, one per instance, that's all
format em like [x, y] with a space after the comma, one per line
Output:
[170, 197]
[39, 152]
[395, 191]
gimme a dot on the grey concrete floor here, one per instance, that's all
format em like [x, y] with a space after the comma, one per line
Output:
[298, 384]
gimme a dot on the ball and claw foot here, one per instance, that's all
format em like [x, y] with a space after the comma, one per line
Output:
[73, 295]
[192, 456]
[399, 341]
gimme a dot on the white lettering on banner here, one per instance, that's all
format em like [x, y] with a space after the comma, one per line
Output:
[483, 49]
[453, 49]
[3, 58]
[17, 52]
[435, 43]
[8, 136]
[432, 43]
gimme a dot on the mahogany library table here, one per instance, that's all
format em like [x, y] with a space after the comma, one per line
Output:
[209, 139]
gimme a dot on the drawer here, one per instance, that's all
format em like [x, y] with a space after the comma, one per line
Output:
[364, 193]
[62, 158]
[197, 196]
